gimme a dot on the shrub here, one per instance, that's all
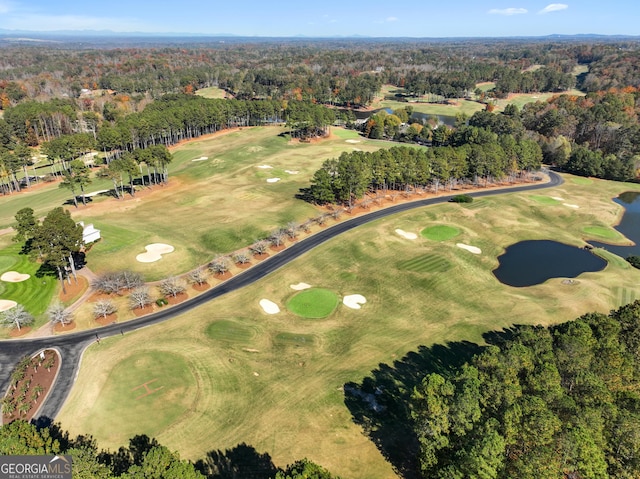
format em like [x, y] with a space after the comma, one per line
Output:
[461, 199]
[634, 261]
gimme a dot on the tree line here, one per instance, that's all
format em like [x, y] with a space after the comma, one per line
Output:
[145, 457]
[560, 401]
[482, 156]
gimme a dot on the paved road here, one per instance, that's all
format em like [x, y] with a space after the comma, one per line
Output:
[71, 346]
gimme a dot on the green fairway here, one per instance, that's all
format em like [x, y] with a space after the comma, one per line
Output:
[545, 200]
[313, 303]
[35, 293]
[602, 232]
[275, 381]
[579, 180]
[211, 92]
[440, 232]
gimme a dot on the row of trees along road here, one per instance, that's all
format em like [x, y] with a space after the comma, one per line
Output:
[54, 241]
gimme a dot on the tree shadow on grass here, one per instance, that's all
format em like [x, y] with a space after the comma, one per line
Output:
[380, 403]
[239, 462]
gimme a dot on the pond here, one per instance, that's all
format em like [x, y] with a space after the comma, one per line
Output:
[532, 262]
[629, 226]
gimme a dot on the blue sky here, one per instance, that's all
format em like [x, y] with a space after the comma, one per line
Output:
[422, 18]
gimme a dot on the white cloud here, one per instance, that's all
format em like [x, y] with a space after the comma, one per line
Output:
[507, 11]
[392, 19]
[554, 7]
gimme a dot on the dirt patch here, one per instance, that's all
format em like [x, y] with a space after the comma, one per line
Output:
[261, 256]
[34, 386]
[277, 248]
[178, 298]
[201, 287]
[109, 319]
[16, 333]
[62, 328]
[148, 309]
[74, 289]
[243, 265]
[223, 276]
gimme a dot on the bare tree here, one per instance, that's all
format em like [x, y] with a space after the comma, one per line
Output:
[198, 276]
[259, 247]
[321, 220]
[16, 317]
[172, 286]
[140, 297]
[277, 237]
[104, 308]
[117, 282]
[219, 265]
[242, 257]
[130, 280]
[306, 226]
[292, 230]
[59, 314]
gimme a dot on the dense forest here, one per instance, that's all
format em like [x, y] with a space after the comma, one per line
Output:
[543, 402]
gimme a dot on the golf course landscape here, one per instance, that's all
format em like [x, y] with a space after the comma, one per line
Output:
[229, 372]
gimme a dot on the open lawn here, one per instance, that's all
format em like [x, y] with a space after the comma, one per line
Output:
[211, 206]
[212, 92]
[276, 381]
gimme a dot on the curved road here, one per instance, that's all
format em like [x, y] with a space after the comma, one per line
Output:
[71, 346]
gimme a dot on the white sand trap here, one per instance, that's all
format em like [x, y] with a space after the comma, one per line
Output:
[292, 172]
[352, 141]
[14, 277]
[154, 252]
[94, 193]
[470, 249]
[571, 206]
[273, 180]
[7, 304]
[300, 286]
[354, 301]
[269, 307]
[265, 167]
[404, 234]
[557, 198]
[202, 158]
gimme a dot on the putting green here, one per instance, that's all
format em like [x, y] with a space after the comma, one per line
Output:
[145, 381]
[545, 200]
[602, 232]
[427, 263]
[440, 232]
[313, 303]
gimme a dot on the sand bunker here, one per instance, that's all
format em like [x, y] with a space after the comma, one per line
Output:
[292, 172]
[7, 304]
[265, 167]
[14, 277]
[154, 252]
[404, 234]
[352, 141]
[273, 180]
[202, 158]
[557, 198]
[471, 249]
[571, 206]
[269, 307]
[94, 193]
[354, 301]
[300, 286]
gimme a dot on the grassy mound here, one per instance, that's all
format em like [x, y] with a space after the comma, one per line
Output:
[313, 303]
[427, 263]
[602, 232]
[440, 232]
[229, 331]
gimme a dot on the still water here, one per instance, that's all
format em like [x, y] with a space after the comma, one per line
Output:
[629, 226]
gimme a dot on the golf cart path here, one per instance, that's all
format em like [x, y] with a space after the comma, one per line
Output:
[71, 346]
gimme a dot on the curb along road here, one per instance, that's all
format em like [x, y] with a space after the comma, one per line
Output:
[71, 346]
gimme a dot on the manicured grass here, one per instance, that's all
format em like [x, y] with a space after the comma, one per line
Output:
[602, 232]
[461, 106]
[427, 263]
[211, 92]
[313, 303]
[35, 293]
[578, 180]
[440, 232]
[284, 396]
[545, 200]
